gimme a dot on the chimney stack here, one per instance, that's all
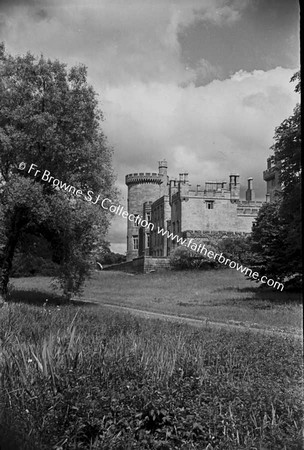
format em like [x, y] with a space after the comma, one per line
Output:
[234, 186]
[250, 194]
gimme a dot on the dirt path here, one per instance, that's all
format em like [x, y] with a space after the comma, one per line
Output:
[200, 323]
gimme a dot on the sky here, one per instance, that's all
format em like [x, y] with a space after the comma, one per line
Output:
[201, 83]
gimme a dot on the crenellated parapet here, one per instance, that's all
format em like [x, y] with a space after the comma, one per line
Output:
[144, 177]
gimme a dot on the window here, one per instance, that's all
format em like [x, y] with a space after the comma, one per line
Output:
[135, 242]
[148, 216]
[148, 240]
[135, 219]
[209, 204]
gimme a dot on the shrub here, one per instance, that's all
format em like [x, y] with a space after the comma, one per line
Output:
[236, 248]
[183, 259]
[27, 265]
[33, 257]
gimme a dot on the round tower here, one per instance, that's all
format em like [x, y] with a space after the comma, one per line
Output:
[142, 188]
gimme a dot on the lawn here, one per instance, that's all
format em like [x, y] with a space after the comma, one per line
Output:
[221, 295]
[88, 378]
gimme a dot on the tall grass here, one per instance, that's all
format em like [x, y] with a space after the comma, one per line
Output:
[93, 379]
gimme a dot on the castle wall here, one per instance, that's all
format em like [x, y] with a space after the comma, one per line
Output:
[272, 177]
[177, 207]
[142, 187]
[160, 214]
[142, 264]
[224, 215]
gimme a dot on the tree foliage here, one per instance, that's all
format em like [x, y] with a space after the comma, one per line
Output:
[49, 117]
[276, 237]
[183, 258]
[236, 248]
[107, 257]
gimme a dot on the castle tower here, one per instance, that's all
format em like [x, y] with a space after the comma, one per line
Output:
[142, 188]
[272, 177]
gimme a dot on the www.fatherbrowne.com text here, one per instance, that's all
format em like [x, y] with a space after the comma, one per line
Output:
[201, 248]
[119, 210]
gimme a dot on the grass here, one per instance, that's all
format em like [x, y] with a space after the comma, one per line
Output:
[88, 378]
[222, 295]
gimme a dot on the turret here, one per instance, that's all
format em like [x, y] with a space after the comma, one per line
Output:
[142, 187]
[162, 167]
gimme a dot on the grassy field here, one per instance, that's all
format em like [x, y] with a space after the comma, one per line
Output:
[87, 378]
[222, 295]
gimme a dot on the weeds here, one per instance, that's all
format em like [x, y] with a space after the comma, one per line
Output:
[93, 379]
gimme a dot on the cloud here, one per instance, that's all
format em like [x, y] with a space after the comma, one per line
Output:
[222, 12]
[205, 72]
[120, 43]
[208, 130]
[154, 105]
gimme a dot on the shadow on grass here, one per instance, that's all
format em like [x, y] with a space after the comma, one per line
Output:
[268, 294]
[40, 298]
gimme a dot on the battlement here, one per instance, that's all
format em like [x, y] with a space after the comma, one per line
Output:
[253, 203]
[144, 177]
[213, 208]
[247, 211]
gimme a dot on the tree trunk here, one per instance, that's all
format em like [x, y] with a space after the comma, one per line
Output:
[7, 262]
[8, 254]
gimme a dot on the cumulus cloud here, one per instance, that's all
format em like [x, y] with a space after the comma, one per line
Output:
[119, 43]
[222, 11]
[205, 72]
[155, 106]
[208, 131]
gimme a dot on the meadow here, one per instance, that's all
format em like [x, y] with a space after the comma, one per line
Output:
[87, 378]
[224, 296]
[81, 376]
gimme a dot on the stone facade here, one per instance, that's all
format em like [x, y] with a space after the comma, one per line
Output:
[160, 215]
[272, 177]
[143, 189]
[175, 206]
[142, 264]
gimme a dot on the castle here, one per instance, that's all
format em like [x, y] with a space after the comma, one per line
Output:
[272, 177]
[173, 205]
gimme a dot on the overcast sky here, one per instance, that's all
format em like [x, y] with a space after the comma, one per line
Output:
[202, 83]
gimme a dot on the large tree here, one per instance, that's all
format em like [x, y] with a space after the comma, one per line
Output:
[49, 117]
[277, 235]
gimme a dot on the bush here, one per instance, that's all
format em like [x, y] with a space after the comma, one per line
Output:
[27, 265]
[33, 257]
[184, 259]
[237, 248]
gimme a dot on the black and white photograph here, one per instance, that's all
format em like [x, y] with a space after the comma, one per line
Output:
[150, 225]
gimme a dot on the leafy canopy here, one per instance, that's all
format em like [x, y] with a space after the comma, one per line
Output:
[277, 235]
[49, 116]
